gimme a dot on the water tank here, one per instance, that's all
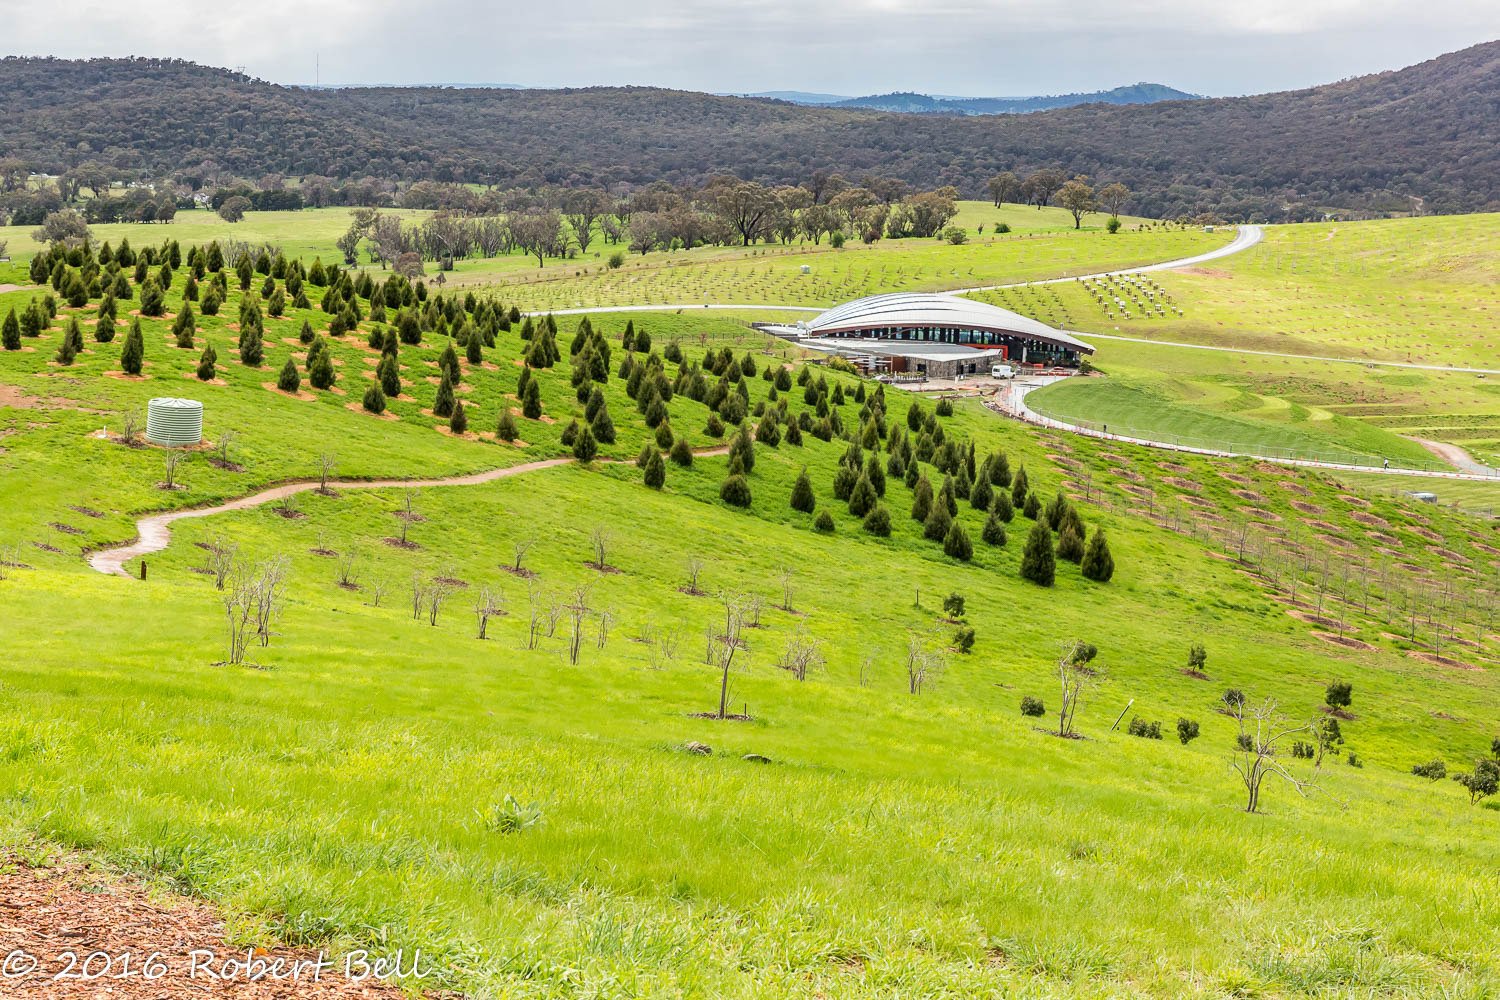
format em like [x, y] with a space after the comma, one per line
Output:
[174, 422]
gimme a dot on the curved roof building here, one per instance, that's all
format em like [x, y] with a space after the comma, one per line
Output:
[932, 318]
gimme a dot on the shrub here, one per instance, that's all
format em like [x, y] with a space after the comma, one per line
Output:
[1340, 694]
[1032, 707]
[531, 400]
[823, 522]
[374, 400]
[944, 407]
[505, 430]
[389, 374]
[1145, 730]
[1097, 563]
[963, 640]
[1481, 782]
[735, 491]
[1433, 770]
[935, 527]
[458, 423]
[321, 375]
[1113, 225]
[1069, 543]
[862, 498]
[153, 302]
[953, 606]
[133, 353]
[1033, 508]
[206, 362]
[956, 543]
[290, 380]
[878, 521]
[1187, 731]
[655, 472]
[1037, 562]
[1233, 699]
[664, 436]
[802, 493]
[993, 532]
[715, 427]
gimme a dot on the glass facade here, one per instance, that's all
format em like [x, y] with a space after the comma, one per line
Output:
[1017, 348]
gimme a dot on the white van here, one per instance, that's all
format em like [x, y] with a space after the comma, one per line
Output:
[1002, 371]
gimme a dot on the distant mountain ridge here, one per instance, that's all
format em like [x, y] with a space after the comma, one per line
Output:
[908, 103]
[1420, 138]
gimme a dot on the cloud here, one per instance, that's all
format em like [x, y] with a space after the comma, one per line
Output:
[978, 47]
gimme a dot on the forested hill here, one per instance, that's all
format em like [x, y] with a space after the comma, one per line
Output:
[1370, 143]
[1138, 93]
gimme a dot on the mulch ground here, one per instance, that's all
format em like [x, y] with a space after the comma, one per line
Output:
[112, 927]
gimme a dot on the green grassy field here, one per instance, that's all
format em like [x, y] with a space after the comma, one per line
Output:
[352, 788]
[1412, 290]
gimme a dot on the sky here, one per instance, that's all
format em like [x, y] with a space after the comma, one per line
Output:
[956, 47]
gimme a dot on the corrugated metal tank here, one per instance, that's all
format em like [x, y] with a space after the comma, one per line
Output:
[174, 422]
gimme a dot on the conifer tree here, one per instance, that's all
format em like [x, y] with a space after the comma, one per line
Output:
[802, 493]
[585, 446]
[1020, 487]
[1069, 543]
[10, 332]
[505, 430]
[374, 400]
[1037, 561]
[735, 489]
[190, 289]
[1098, 565]
[956, 543]
[133, 354]
[878, 521]
[104, 327]
[252, 347]
[389, 374]
[682, 452]
[982, 494]
[823, 523]
[458, 422]
[655, 473]
[1033, 508]
[208, 360]
[183, 326]
[448, 362]
[322, 375]
[153, 303]
[603, 426]
[939, 520]
[442, 406]
[921, 501]
[531, 400]
[1001, 507]
[993, 532]
[209, 305]
[743, 447]
[862, 499]
[290, 380]
[66, 352]
[473, 352]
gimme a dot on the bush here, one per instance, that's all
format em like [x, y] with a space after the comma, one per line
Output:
[682, 452]
[374, 400]
[823, 522]
[1340, 694]
[945, 407]
[1145, 730]
[1187, 731]
[1233, 699]
[1069, 543]
[1300, 749]
[963, 640]
[802, 494]
[458, 423]
[1113, 225]
[1001, 228]
[505, 430]
[878, 521]
[206, 362]
[862, 498]
[953, 606]
[321, 374]
[736, 491]
[1037, 561]
[290, 380]
[133, 353]
[1032, 707]
[1433, 770]
[956, 543]
[993, 532]
[655, 472]
[586, 446]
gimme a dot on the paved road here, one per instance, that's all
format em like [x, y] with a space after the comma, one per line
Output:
[1011, 401]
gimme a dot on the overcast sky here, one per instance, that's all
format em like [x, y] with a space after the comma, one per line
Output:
[966, 47]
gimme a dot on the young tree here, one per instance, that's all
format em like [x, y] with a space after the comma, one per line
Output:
[442, 405]
[374, 400]
[735, 491]
[133, 354]
[956, 543]
[183, 327]
[1255, 756]
[878, 521]
[1078, 198]
[153, 302]
[505, 430]
[802, 493]
[655, 472]
[531, 400]
[1097, 564]
[1037, 562]
[1070, 543]
[1482, 782]
[458, 421]
[208, 362]
[1339, 696]
[290, 380]
[585, 447]
[939, 520]
[10, 332]
[1075, 675]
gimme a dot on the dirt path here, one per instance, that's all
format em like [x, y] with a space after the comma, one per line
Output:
[1457, 457]
[48, 913]
[154, 531]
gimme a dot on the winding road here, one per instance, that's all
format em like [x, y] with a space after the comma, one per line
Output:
[154, 531]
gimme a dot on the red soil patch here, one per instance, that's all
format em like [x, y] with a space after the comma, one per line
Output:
[360, 408]
[1313, 619]
[1450, 554]
[1262, 515]
[1306, 508]
[1137, 491]
[1353, 500]
[1336, 542]
[467, 435]
[1441, 661]
[1386, 540]
[46, 912]
[1250, 495]
[1199, 502]
[1235, 477]
[1182, 484]
[1369, 520]
[1297, 488]
[1173, 467]
[1431, 536]
[301, 394]
[1347, 641]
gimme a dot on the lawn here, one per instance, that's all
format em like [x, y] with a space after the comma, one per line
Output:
[1410, 290]
[351, 786]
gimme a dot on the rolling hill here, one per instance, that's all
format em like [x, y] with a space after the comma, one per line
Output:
[1418, 138]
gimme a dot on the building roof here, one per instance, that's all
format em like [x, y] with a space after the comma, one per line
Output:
[908, 309]
[900, 349]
